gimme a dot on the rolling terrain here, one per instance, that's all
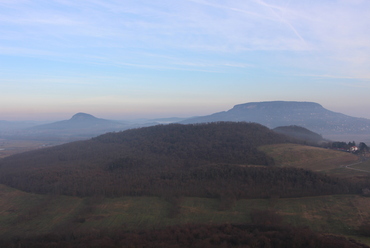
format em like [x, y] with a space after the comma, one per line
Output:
[167, 176]
[30, 215]
[203, 160]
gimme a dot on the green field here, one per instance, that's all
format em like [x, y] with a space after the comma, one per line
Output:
[312, 158]
[23, 214]
[365, 166]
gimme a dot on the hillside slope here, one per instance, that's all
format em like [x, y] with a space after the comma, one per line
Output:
[301, 133]
[133, 156]
[204, 160]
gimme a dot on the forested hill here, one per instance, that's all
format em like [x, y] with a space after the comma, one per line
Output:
[223, 142]
[201, 160]
[163, 145]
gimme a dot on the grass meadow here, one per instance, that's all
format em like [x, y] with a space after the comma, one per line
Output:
[24, 214]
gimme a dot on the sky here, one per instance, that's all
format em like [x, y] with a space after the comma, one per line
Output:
[123, 59]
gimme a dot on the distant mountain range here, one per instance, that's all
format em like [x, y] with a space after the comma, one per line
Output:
[80, 121]
[310, 115]
[285, 113]
[80, 125]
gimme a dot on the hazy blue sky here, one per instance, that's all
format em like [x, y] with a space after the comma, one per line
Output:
[122, 59]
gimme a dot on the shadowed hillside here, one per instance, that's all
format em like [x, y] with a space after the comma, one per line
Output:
[301, 133]
[132, 156]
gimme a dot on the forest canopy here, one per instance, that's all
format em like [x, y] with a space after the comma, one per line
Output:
[204, 160]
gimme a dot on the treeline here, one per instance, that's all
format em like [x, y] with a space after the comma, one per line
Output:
[362, 147]
[226, 235]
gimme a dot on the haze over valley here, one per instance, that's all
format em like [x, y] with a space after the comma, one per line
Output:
[329, 124]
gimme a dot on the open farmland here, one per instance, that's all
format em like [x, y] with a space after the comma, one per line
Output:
[308, 157]
[10, 147]
[24, 214]
[364, 166]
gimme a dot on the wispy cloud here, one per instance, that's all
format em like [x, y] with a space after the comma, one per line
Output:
[260, 38]
[281, 17]
[333, 76]
[193, 25]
